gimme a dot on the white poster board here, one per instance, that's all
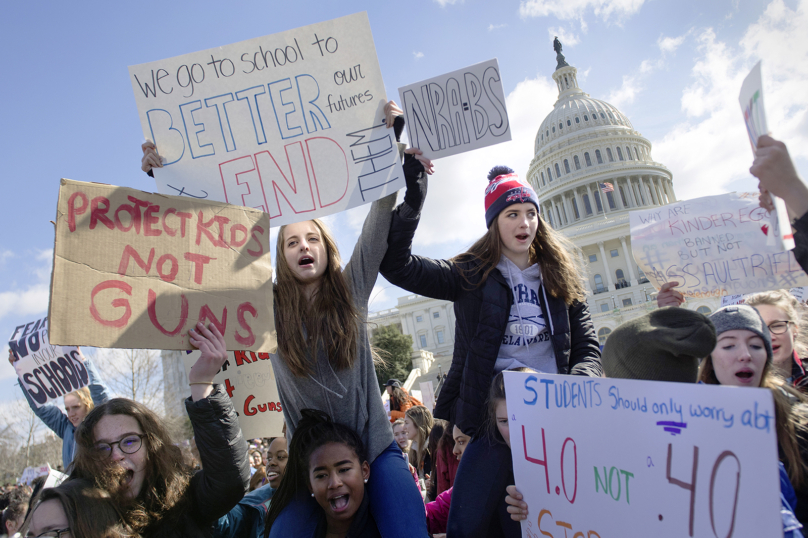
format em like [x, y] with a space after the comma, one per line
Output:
[457, 112]
[46, 372]
[713, 246]
[249, 380]
[727, 300]
[428, 394]
[616, 457]
[30, 473]
[754, 117]
[290, 123]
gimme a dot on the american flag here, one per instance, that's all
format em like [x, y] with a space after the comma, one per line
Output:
[606, 187]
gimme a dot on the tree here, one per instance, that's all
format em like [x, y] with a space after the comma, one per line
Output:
[135, 374]
[395, 350]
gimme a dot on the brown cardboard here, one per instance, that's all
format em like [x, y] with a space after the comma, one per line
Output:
[137, 270]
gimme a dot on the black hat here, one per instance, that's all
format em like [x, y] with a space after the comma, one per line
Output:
[663, 345]
[393, 383]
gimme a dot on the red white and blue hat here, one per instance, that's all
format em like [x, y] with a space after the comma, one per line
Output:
[504, 189]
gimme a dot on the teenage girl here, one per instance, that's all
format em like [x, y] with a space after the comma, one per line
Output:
[519, 301]
[328, 462]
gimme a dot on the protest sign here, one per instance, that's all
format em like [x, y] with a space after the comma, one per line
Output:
[137, 270]
[712, 246]
[46, 372]
[30, 473]
[618, 457]
[754, 117]
[428, 395]
[291, 123]
[457, 112]
[727, 300]
[249, 381]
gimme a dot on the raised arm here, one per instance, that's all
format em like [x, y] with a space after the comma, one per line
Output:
[98, 389]
[53, 417]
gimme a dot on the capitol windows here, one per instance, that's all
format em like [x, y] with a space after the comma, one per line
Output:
[558, 170]
[598, 156]
[602, 116]
[627, 302]
[597, 202]
[636, 153]
[622, 195]
[603, 334]
[619, 153]
[577, 120]
[566, 166]
[587, 160]
[586, 118]
[549, 175]
[593, 258]
[577, 162]
[542, 180]
[628, 153]
[553, 128]
[440, 336]
[548, 133]
[615, 254]
[575, 209]
[569, 123]
[609, 155]
[599, 283]
[422, 339]
[560, 126]
[587, 204]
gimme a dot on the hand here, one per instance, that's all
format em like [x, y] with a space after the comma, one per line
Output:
[668, 296]
[214, 352]
[765, 199]
[775, 170]
[391, 110]
[517, 508]
[419, 155]
[427, 482]
[150, 157]
[11, 358]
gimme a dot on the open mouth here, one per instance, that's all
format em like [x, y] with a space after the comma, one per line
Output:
[129, 476]
[744, 375]
[522, 237]
[338, 504]
[305, 261]
[272, 476]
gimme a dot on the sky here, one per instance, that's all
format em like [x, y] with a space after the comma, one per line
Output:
[674, 68]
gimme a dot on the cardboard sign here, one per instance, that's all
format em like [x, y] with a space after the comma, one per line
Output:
[290, 123]
[137, 270]
[46, 372]
[457, 112]
[249, 380]
[428, 395]
[754, 117]
[712, 246]
[615, 457]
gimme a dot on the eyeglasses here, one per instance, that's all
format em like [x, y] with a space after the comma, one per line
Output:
[53, 534]
[128, 445]
[779, 327]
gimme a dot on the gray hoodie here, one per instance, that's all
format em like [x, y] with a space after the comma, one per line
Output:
[350, 396]
[527, 340]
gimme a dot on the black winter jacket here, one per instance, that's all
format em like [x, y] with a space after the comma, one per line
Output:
[225, 474]
[482, 316]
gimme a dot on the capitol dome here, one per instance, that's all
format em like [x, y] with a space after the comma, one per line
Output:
[590, 167]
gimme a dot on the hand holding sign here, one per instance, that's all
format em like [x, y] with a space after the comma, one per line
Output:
[777, 175]
[211, 343]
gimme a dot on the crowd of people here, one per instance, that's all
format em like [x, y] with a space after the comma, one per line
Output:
[346, 467]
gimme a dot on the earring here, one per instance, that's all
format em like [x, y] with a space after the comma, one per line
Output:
[312, 494]
[366, 480]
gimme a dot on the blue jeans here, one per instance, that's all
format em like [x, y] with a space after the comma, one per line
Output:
[478, 506]
[395, 503]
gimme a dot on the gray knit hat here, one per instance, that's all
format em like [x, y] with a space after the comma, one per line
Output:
[742, 317]
[663, 345]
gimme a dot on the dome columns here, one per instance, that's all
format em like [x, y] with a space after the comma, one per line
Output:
[629, 259]
[606, 266]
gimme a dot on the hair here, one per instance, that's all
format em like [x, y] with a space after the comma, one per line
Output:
[437, 432]
[786, 302]
[422, 418]
[399, 397]
[83, 395]
[330, 318]
[251, 452]
[91, 511]
[398, 422]
[562, 274]
[496, 393]
[791, 416]
[258, 478]
[162, 496]
[314, 430]
[17, 506]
